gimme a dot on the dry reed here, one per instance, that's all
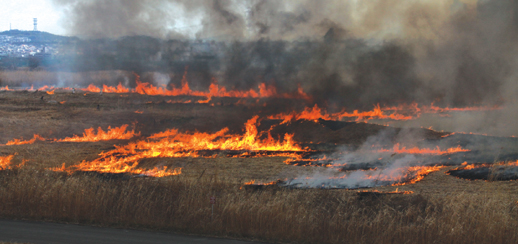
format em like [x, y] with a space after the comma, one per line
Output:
[279, 215]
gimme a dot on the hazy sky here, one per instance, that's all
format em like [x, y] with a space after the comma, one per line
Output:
[52, 17]
[19, 13]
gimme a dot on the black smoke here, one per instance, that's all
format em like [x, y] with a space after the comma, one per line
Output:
[390, 52]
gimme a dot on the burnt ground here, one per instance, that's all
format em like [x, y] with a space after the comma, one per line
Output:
[495, 173]
[25, 113]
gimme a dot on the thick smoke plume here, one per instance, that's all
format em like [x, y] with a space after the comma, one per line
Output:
[350, 54]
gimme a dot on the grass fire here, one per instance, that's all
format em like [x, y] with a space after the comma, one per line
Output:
[308, 121]
[246, 150]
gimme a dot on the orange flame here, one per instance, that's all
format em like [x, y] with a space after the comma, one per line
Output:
[92, 88]
[171, 143]
[205, 101]
[252, 182]
[5, 162]
[414, 108]
[174, 141]
[416, 150]
[466, 166]
[420, 172]
[404, 175]
[22, 142]
[50, 92]
[117, 133]
[214, 90]
[394, 176]
[389, 192]
[176, 101]
[402, 112]
[317, 113]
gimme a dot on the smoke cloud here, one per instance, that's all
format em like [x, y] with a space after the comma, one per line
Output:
[350, 54]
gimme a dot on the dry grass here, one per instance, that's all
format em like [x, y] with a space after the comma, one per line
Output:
[443, 209]
[303, 216]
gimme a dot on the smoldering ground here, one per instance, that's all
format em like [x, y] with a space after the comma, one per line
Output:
[399, 156]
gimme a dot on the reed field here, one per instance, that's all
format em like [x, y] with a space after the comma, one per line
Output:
[441, 209]
[181, 204]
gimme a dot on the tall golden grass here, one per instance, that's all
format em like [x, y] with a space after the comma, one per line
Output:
[279, 215]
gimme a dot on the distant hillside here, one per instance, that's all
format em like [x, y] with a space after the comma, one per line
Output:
[39, 36]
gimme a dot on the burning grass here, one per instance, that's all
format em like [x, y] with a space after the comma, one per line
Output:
[502, 171]
[364, 178]
[215, 161]
[5, 162]
[171, 144]
[415, 150]
[262, 91]
[403, 112]
[116, 133]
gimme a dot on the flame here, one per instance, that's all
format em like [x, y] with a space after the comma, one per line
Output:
[110, 168]
[176, 101]
[5, 162]
[205, 101]
[139, 112]
[403, 175]
[416, 150]
[175, 141]
[22, 142]
[420, 172]
[262, 91]
[214, 90]
[92, 88]
[252, 182]
[310, 161]
[171, 143]
[432, 108]
[376, 113]
[315, 113]
[62, 102]
[119, 89]
[415, 108]
[372, 178]
[389, 192]
[400, 176]
[466, 166]
[89, 135]
[401, 112]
